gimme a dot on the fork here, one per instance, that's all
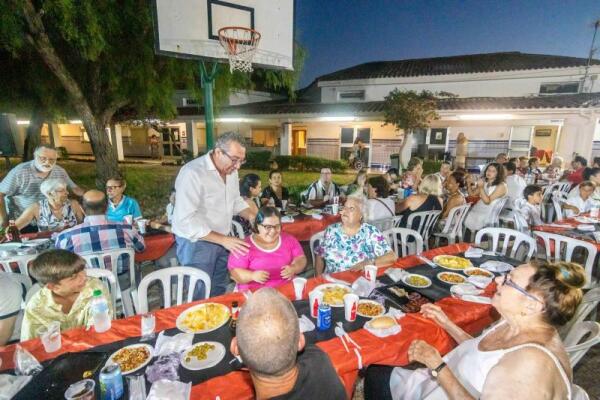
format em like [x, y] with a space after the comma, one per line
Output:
[428, 261]
[348, 338]
[340, 333]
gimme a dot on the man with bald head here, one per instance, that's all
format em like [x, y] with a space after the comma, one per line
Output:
[281, 365]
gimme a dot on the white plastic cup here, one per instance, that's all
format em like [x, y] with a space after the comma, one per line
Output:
[315, 298]
[299, 284]
[147, 324]
[350, 306]
[370, 272]
[284, 205]
[128, 219]
[141, 224]
[50, 336]
[335, 208]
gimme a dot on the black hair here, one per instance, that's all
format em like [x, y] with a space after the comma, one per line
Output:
[499, 173]
[380, 185]
[459, 177]
[263, 213]
[273, 172]
[580, 160]
[596, 161]
[532, 160]
[510, 166]
[248, 181]
[589, 172]
[531, 190]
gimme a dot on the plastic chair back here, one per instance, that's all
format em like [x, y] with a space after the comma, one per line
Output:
[109, 279]
[315, 240]
[588, 306]
[590, 330]
[22, 262]
[398, 238]
[237, 230]
[501, 239]
[426, 222]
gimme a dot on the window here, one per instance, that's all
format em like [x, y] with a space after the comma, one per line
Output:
[264, 137]
[347, 135]
[351, 95]
[190, 102]
[559, 88]
[347, 138]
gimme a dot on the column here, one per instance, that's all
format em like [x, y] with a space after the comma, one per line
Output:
[192, 137]
[116, 139]
[286, 139]
[54, 135]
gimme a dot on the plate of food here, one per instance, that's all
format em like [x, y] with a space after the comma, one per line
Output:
[202, 355]
[451, 278]
[132, 358]
[417, 281]
[203, 318]
[312, 211]
[587, 220]
[369, 308]
[474, 271]
[291, 213]
[333, 293]
[452, 262]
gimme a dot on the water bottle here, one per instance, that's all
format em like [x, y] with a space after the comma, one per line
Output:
[100, 312]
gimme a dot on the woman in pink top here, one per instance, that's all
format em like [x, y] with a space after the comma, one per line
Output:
[273, 257]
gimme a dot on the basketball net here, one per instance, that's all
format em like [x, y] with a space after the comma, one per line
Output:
[240, 44]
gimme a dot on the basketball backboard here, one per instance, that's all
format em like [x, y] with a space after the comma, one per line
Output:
[189, 29]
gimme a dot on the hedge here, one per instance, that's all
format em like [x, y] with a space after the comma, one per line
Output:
[305, 163]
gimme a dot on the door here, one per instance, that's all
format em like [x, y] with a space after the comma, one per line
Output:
[544, 140]
[171, 141]
[298, 142]
[347, 138]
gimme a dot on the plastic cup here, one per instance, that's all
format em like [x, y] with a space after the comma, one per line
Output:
[315, 298]
[50, 336]
[350, 306]
[147, 325]
[82, 390]
[335, 208]
[141, 224]
[370, 272]
[299, 284]
[128, 219]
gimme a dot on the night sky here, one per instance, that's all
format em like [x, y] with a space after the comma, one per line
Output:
[342, 33]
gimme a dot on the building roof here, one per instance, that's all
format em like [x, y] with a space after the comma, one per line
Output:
[283, 107]
[463, 64]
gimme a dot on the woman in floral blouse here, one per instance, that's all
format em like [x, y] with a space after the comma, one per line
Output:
[352, 244]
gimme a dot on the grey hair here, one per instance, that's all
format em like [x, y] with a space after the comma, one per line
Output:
[225, 139]
[363, 202]
[49, 186]
[43, 146]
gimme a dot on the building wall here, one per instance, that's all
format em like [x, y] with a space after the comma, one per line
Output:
[73, 139]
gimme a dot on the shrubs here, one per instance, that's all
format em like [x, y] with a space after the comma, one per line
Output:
[258, 160]
[305, 163]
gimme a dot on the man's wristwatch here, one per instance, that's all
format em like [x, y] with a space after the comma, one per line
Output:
[436, 371]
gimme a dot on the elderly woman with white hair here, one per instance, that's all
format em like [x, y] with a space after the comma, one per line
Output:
[352, 243]
[53, 213]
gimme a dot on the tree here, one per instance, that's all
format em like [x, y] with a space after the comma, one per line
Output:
[408, 111]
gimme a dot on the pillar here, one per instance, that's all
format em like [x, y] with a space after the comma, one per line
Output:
[286, 139]
[192, 137]
[116, 138]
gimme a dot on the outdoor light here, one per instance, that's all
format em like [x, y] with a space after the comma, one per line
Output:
[232, 120]
[484, 117]
[75, 121]
[22, 122]
[338, 119]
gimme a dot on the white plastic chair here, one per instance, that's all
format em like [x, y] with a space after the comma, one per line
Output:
[237, 230]
[22, 262]
[315, 240]
[558, 198]
[576, 349]
[109, 260]
[383, 224]
[565, 187]
[398, 239]
[494, 219]
[564, 247]
[427, 220]
[547, 192]
[453, 228]
[164, 276]
[113, 285]
[22, 279]
[520, 222]
[588, 307]
[506, 216]
[510, 237]
[577, 393]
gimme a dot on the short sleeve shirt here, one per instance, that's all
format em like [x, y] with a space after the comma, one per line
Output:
[341, 251]
[22, 186]
[272, 261]
[127, 206]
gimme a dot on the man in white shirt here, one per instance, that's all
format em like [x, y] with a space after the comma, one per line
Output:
[322, 191]
[208, 196]
[514, 184]
[592, 175]
[581, 203]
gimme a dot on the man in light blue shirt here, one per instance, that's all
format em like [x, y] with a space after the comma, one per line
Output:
[120, 205]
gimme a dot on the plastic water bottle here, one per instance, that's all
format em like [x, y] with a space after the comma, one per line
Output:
[100, 314]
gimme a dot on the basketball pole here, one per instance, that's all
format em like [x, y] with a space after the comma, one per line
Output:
[207, 80]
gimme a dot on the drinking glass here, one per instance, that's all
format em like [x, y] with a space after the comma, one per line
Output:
[148, 323]
[50, 336]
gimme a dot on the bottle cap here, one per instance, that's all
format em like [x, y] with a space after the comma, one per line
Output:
[97, 293]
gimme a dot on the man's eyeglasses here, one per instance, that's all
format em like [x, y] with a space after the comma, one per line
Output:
[113, 187]
[234, 160]
[46, 159]
[269, 228]
[509, 282]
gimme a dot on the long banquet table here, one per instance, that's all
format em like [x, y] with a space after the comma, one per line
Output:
[392, 350]
[569, 228]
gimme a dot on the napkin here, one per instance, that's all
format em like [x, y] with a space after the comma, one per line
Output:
[477, 299]
[394, 330]
[10, 385]
[479, 281]
[172, 344]
[362, 287]
[473, 252]
[306, 325]
[317, 216]
[287, 219]
[169, 390]
[396, 274]
[586, 228]
[496, 266]
[463, 289]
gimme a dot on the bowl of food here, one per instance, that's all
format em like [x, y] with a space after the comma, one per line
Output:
[474, 271]
[132, 358]
[451, 278]
[333, 293]
[202, 318]
[369, 308]
[416, 281]
[452, 262]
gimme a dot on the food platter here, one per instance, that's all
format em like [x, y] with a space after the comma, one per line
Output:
[453, 263]
[132, 358]
[416, 281]
[451, 278]
[313, 211]
[202, 318]
[474, 271]
[333, 293]
[207, 354]
[369, 308]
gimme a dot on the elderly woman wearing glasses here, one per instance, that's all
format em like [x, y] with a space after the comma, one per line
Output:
[55, 212]
[352, 244]
[521, 356]
[273, 257]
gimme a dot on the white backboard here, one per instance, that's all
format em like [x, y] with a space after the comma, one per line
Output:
[188, 28]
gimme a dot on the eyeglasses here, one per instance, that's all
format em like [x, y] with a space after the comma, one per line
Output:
[46, 159]
[234, 160]
[509, 282]
[113, 187]
[269, 228]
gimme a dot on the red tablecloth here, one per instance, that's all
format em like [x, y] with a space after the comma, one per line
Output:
[156, 247]
[305, 226]
[237, 385]
[562, 230]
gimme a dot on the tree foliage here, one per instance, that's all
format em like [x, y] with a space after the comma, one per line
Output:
[409, 110]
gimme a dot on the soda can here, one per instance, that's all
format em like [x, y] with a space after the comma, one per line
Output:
[324, 317]
[111, 382]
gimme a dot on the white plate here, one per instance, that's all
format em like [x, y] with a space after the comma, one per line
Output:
[496, 266]
[586, 228]
[291, 213]
[142, 365]
[587, 220]
[452, 274]
[181, 317]
[328, 285]
[407, 277]
[362, 301]
[314, 211]
[437, 259]
[488, 274]
[213, 357]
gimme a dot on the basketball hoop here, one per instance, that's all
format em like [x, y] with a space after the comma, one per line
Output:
[240, 45]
